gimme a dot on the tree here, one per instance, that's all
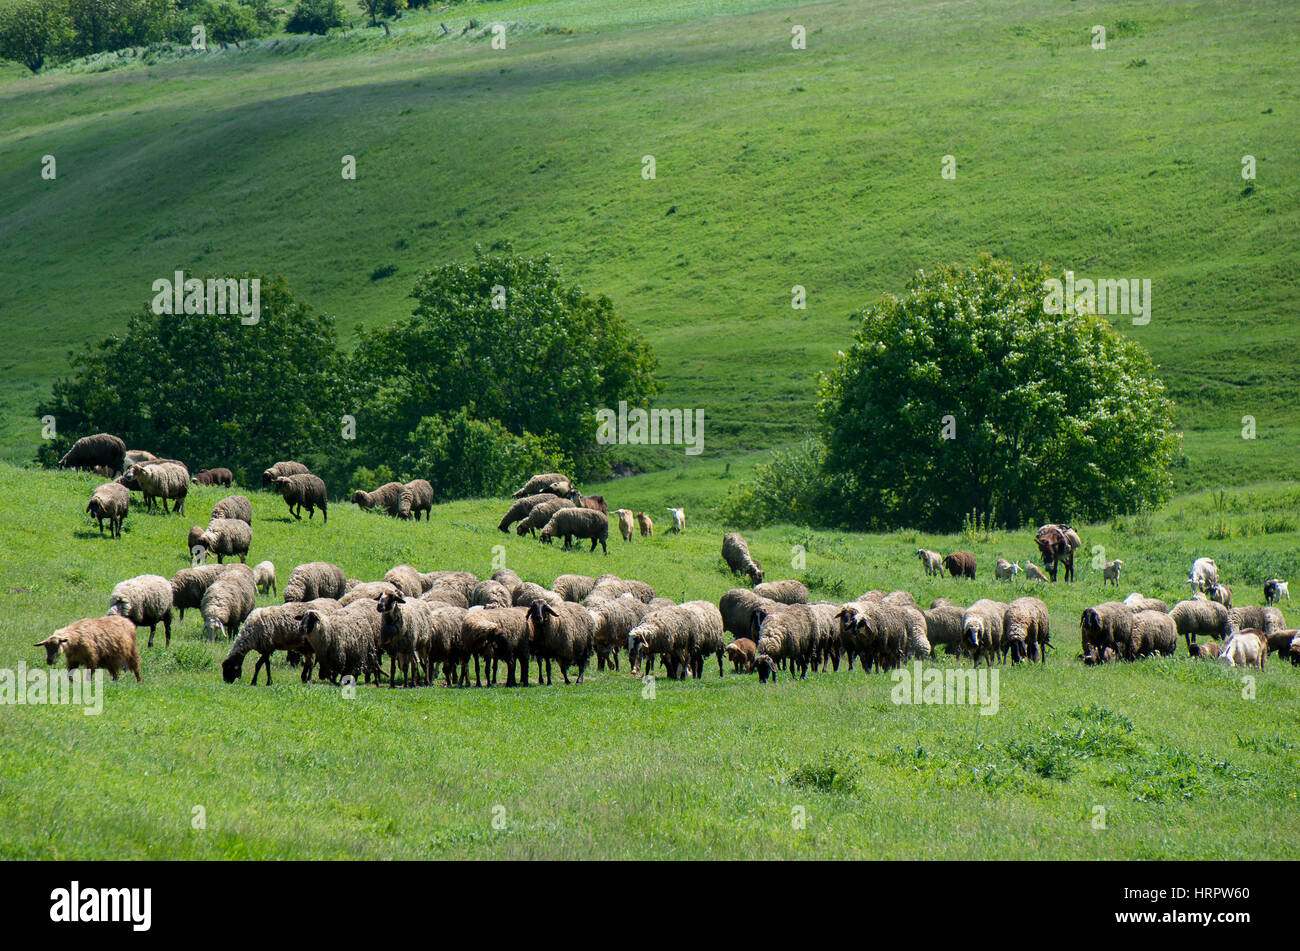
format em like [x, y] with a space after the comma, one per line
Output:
[505, 338]
[229, 22]
[209, 389]
[32, 32]
[315, 16]
[382, 8]
[964, 395]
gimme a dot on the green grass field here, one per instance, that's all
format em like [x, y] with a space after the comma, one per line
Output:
[1183, 764]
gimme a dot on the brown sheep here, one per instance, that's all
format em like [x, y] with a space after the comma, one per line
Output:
[107, 642]
[741, 652]
[214, 477]
[304, 491]
[960, 564]
[645, 524]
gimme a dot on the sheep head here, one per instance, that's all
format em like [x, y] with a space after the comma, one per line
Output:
[54, 645]
[232, 668]
[538, 611]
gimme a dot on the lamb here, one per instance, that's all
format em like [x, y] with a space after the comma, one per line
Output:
[304, 491]
[1153, 632]
[578, 523]
[234, 506]
[416, 497]
[101, 449]
[521, 509]
[1275, 590]
[563, 635]
[146, 600]
[1033, 572]
[545, 483]
[960, 564]
[1204, 573]
[315, 579]
[943, 626]
[614, 619]
[737, 607]
[109, 501]
[625, 523]
[1265, 619]
[490, 594]
[1217, 592]
[931, 560]
[387, 497]
[787, 591]
[345, 642]
[679, 520]
[264, 577]
[766, 668]
[982, 630]
[406, 626]
[225, 536]
[368, 591]
[1244, 649]
[1138, 602]
[540, 515]
[735, 552]
[162, 480]
[1210, 650]
[645, 524]
[107, 642]
[789, 635]
[229, 600]
[1194, 618]
[1027, 629]
[594, 502]
[742, 653]
[664, 633]
[1110, 572]
[267, 630]
[1294, 651]
[287, 468]
[189, 584]
[1104, 655]
[214, 477]
[1004, 570]
[406, 579]
[1106, 625]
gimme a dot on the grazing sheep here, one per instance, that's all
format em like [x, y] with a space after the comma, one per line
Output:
[107, 642]
[1244, 649]
[614, 619]
[1265, 619]
[789, 635]
[704, 635]
[1137, 602]
[612, 586]
[765, 667]
[787, 591]
[547, 482]
[1275, 590]
[304, 491]
[960, 564]
[878, 633]
[1107, 625]
[215, 477]
[286, 468]
[595, 502]
[645, 524]
[1110, 572]
[561, 634]
[109, 501]
[1210, 650]
[826, 635]
[1004, 570]
[137, 455]
[234, 506]
[521, 509]
[405, 626]
[345, 642]
[943, 626]
[315, 579]
[578, 523]
[530, 591]
[931, 560]
[1217, 592]
[1204, 573]
[540, 515]
[1027, 630]
[982, 630]
[735, 552]
[461, 582]
[101, 449]
[368, 591]
[188, 586]
[490, 594]
[162, 480]
[738, 606]
[1033, 572]
[742, 653]
[679, 520]
[1194, 618]
[444, 645]
[147, 601]
[226, 536]
[509, 578]
[665, 633]
[387, 497]
[446, 594]
[497, 635]
[229, 600]
[264, 577]
[1279, 642]
[416, 497]
[625, 523]
[406, 580]
[267, 630]
[1153, 632]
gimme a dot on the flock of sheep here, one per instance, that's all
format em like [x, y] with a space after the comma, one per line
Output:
[437, 622]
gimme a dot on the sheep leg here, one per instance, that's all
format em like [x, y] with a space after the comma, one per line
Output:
[151, 629]
[548, 673]
[523, 669]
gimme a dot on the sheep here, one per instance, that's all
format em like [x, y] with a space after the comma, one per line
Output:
[1110, 572]
[645, 524]
[387, 497]
[943, 626]
[147, 601]
[1153, 632]
[1027, 629]
[315, 579]
[735, 552]
[614, 619]
[1217, 592]
[787, 591]
[1033, 572]
[540, 515]
[406, 625]
[229, 600]
[737, 607]
[305, 490]
[1106, 625]
[406, 579]
[1004, 570]
[107, 642]
[509, 578]
[826, 635]
[960, 564]
[521, 508]
[444, 645]
[704, 635]
[267, 630]
[1138, 602]
[109, 501]
[1204, 573]
[214, 477]
[225, 536]
[101, 449]
[578, 523]
[625, 523]
[679, 520]
[461, 582]
[766, 667]
[490, 594]
[416, 497]
[287, 468]
[982, 630]
[188, 586]
[264, 577]
[1294, 651]
[133, 456]
[1096, 657]
[368, 591]
[1057, 544]
[664, 633]
[1280, 641]
[561, 634]
[878, 633]
[1266, 619]
[789, 635]
[741, 652]
[612, 586]
[530, 591]
[932, 561]
[594, 502]
[545, 483]
[1210, 650]
[1275, 590]
[345, 642]
[497, 635]
[1194, 618]
[162, 480]
[1244, 649]
[234, 506]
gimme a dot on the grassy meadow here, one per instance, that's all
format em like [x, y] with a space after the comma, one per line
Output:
[703, 769]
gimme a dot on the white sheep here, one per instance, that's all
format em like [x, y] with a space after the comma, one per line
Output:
[932, 561]
[1110, 572]
[1204, 573]
[264, 577]
[1004, 570]
[1243, 649]
[679, 520]
[1033, 572]
[625, 523]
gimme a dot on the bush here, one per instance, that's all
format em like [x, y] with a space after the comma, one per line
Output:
[790, 488]
[33, 32]
[315, 16]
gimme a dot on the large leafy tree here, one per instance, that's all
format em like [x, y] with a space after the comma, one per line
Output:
[210, 389]
[1053, 416]
[34, 32]
[505, 338]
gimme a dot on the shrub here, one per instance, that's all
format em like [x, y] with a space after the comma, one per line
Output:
[315, 16]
